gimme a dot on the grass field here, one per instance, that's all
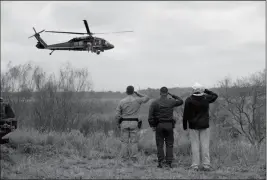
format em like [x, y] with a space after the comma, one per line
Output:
[32, 154]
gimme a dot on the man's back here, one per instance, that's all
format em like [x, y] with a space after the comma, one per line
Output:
[161, 120]
[163, 108]
[196, 110]
[129, 107]
[127, 113]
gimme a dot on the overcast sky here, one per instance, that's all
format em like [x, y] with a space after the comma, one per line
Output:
[173, 43]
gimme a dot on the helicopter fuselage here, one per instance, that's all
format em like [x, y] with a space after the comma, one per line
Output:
[80, 44]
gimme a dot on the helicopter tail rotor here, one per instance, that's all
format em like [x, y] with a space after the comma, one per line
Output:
[36, 32]
[41, 44]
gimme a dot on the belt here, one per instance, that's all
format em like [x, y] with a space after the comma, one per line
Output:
[166, 121]
[129, 119]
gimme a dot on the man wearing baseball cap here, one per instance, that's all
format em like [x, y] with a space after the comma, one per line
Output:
[196, 113]
[127, 113]
[161, 120]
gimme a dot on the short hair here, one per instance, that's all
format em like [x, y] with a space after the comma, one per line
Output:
[164, 90]
[130, 90]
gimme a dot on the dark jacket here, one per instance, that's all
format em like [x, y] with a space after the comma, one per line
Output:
[196, 110]
[162, 110]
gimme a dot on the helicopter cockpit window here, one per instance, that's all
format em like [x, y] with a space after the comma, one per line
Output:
[73, 40]
[98, 42]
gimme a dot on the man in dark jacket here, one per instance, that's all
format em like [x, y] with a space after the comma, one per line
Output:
[161, 120]
[196, 113]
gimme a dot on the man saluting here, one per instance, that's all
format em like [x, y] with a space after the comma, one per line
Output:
[196, 113]
[161, 120]
[127, 113]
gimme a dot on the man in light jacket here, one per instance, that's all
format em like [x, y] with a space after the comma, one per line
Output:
[127, 113]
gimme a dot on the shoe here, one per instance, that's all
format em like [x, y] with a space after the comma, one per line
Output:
[159, 165]
[134, 159]
[169, 164]
[194, 167]
[207, 168]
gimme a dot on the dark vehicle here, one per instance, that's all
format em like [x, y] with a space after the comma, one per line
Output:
[8, 122]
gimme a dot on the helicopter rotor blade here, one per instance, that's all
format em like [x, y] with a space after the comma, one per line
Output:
[65, 32]
[113, 32]
[36, 32]
[40, 31]
[87, 27]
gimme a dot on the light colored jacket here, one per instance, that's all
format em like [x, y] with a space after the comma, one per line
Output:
[129, 107]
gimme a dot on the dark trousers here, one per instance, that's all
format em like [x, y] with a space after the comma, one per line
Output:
[164, 133]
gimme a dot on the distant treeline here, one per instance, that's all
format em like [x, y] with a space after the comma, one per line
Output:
[65, 100]
[105, 95]
[27, 80]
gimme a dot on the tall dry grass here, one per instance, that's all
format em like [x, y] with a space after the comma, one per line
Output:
[224, 153]
[42, 151]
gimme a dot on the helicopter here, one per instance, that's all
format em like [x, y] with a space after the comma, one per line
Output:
[85, 43]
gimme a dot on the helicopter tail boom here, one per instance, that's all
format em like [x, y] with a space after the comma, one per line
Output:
[41, 44]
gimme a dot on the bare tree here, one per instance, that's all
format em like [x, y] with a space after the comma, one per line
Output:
[56, 102]
[58, 105]
[244, 100]
[74, 80]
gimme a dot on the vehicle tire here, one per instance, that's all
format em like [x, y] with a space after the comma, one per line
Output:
[4, 141]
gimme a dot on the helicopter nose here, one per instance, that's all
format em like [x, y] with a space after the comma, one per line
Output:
[111, 46]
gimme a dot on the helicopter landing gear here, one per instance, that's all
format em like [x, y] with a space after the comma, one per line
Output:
[51, 52]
